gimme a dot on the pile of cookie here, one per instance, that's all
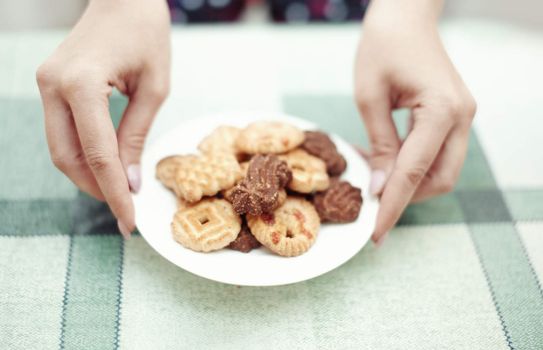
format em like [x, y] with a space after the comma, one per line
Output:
[268, 184]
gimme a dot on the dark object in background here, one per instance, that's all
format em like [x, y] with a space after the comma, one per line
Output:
[317, 10]
[285, 11]
[201, 11]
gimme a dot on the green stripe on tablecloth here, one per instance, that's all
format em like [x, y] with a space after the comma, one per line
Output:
[332, 113]
[483, 206]
[525, 204]
[440, 210]
[27, 171]
[82, 215]
[476, 173]
[92, 217]
[337, 114]
[90, 316]
[35, 217]
[512, 283]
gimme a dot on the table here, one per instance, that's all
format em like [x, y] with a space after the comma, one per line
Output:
[462, 271]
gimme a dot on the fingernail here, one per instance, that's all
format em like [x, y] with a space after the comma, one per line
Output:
[380, 240]
[378, 178]
[133, 172]
[124, 230]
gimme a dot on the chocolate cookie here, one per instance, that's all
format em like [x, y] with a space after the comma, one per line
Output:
[320, 145]
[259, 192]
[245, 241]
[341, 202]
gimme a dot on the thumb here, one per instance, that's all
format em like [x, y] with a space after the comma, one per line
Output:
[138, 116]
[375, 109]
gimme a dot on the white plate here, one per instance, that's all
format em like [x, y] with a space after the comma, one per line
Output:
[155, 206]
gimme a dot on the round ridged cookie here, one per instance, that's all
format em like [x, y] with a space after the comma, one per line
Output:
[281, 197]
[308, 172]
[290, 231]
[206, 175]
[208, 225]
[167, 167]
[264, 137]
[181, 203]
[222, 139]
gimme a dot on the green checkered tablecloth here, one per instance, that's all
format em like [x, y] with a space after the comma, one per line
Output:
[462, 271]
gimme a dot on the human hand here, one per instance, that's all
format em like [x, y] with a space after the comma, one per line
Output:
[122, 44]
[401, 63]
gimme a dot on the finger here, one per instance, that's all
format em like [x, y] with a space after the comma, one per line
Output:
[64, 146]
[364, 153]
[410, 123]
[138, 116]
[415, 158]
[446, 168]
[375, 109]
[98, 140]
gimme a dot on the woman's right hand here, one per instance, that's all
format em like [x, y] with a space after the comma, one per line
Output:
[121, 44]
[401, 63]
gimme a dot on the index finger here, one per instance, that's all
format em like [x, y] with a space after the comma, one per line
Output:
[414, 159]
[99, 143]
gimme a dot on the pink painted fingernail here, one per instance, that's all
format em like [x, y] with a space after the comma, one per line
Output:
[133, 172]
[378, 178]
[124, 230]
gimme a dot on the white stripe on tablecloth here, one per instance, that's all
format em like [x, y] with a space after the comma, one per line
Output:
[424, 289]
[32, 270]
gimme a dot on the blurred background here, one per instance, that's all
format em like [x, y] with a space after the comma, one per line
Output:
[38, 14]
